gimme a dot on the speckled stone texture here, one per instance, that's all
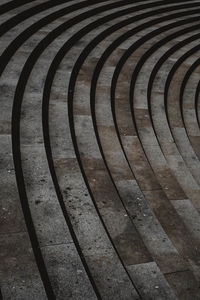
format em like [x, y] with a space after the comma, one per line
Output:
[100, 149]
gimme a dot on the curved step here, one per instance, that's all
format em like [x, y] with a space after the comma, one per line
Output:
[99, 184]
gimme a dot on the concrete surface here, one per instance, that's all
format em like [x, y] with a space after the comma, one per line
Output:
[99, 149]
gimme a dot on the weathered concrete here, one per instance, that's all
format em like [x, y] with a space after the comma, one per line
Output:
[99, 158]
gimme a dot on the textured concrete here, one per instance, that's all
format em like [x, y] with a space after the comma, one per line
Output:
[100, 150]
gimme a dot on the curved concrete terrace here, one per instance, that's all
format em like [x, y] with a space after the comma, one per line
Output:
[100, 149]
